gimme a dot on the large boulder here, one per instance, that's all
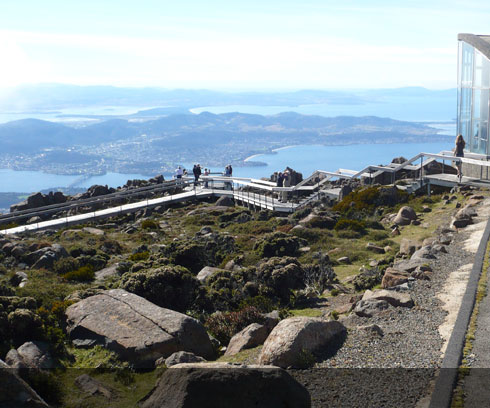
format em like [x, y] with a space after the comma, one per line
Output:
[93, 387]
[225, 201]
[15, 392]
[463, 217]
[368, 308]
[206, 272]
[394, 277]
[180, 357]
[220, 385]
[425, 252]
[411, 265]
[278, 244]
[405, 215]
[294, 337]
[392, 297]
[31, 355]
[408, 246]
[251, 336]
[136, 329]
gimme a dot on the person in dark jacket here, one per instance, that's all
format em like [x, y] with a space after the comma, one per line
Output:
[197, 172]
[459, 152]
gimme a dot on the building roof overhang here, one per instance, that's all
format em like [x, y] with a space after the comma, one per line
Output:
[480, 42]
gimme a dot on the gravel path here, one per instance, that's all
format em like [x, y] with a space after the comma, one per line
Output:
[397, 367]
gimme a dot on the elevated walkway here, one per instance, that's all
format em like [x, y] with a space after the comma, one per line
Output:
[251, 192]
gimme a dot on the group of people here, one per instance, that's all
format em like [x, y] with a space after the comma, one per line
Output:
[197, 171]
[283, 180]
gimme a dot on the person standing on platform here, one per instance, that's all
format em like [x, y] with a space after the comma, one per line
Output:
[178, 174]
[197, 173]
[286, 183]
[459, 152]
[280, 179]
[206, 173]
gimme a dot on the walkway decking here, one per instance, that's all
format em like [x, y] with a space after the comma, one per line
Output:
[255, 193]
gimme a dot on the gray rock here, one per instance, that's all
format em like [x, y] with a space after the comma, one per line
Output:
[368, 308]
[344, 260]
[182, 357]
[410, 265]
[94, 231]
[294, 336]
[34, 220]
[374, 248]
[445, 239]
[14, 360]
[93, 387]
[393, 298]
[225, 201]
[206, 272]
[271, 319]
[18, 278]
[408, 246]
[426, 252]
[393, 277]
[371, 329]
[405, 215]
[251, 336]
[136, 329]
[226, 385]
[36, 355]
[102, 274]
[16, 392]
[439, 248]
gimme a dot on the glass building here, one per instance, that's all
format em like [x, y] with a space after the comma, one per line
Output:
[473, 93]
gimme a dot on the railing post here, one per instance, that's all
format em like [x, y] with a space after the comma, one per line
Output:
[421, 168]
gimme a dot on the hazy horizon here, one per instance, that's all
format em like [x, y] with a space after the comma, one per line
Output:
[222, 45]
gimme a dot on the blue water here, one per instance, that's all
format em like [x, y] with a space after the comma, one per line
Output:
[307, 159]
[31, 181]
[418, 109]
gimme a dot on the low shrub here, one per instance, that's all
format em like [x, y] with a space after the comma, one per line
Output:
[368, 279]
[347, 224]
[224, 325]
[149, 225]
[378, 235]
[139, 256]
[65, 265]
[348, 234]
[82, 274]
[170, 286]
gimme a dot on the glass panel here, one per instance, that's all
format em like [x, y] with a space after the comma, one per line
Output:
[477, 78]
[483, 147]
[476, 103]
[466, 103]
[486, 73]
[478, 59]
[483, 130]
[467, 66]
[484, 104]
[474, 138]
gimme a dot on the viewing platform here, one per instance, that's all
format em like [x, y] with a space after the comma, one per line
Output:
[256, 194]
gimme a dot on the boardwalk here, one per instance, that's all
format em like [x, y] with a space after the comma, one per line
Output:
[254, 193]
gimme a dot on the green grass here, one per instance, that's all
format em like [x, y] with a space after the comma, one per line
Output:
[308, 311]
[248, 356]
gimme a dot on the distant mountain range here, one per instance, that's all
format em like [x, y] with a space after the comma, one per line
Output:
[59, 96]
[186, 130]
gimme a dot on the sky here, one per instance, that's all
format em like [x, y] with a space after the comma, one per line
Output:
[236, 45]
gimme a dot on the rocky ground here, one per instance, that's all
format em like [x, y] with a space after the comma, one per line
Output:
[355, 300]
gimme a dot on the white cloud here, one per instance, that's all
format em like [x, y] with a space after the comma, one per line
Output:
[212, 59]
